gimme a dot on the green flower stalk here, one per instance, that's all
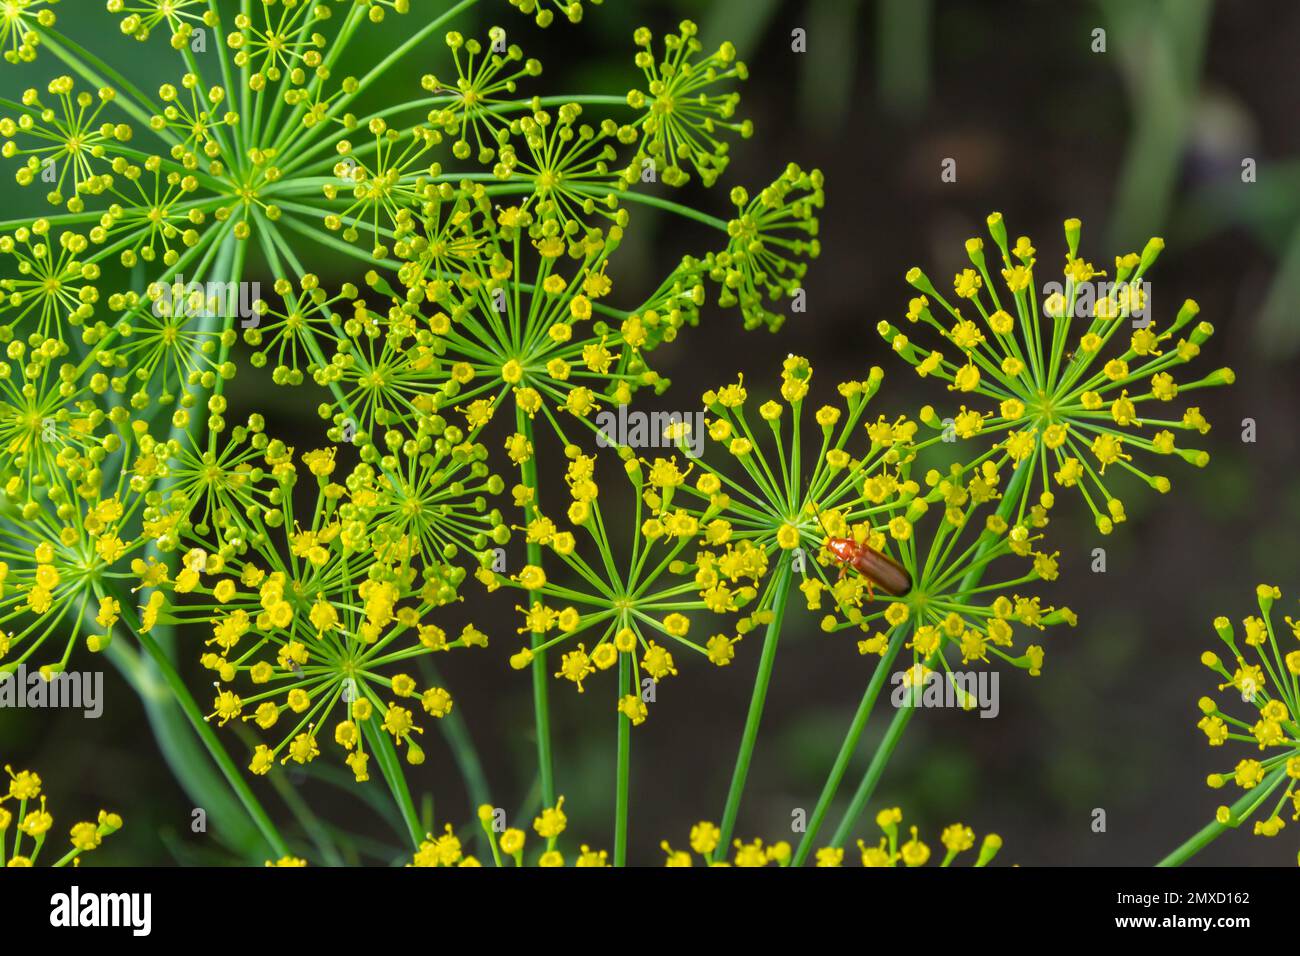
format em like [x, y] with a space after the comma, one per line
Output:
[1064, 409]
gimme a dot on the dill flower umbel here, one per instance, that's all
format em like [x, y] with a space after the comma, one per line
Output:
[72, 499]
[1063, 399]
[940, 537]
[766, 504]
[633, 612]
[768, 240]
[32, 823]
[683, 111]
[1260, 676]
[318, 615]
[546, 344]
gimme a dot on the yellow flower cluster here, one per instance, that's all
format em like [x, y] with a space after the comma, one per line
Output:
[1059, 406]
[705, 838]
[1261, 674]
[507, 843]
[30, 819]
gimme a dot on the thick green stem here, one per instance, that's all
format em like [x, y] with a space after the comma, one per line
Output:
[764, 677]
[541, 701]
[624, 764]
[390, 765]
[850, 745]
[1212, 831]
[874, 772]
[184, 752]
[214, 748]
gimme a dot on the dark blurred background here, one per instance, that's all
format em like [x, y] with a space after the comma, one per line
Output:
[1147, 138]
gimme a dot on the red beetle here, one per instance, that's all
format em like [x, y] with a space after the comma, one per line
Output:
[878, 569]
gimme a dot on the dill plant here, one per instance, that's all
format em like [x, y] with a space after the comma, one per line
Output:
[486, 216]
[311, 577]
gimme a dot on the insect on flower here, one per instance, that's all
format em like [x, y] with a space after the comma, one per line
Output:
[878, 569]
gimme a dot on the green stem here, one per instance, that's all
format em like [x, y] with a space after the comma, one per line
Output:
[302, 811]
[228, 769]
[1212, 831]
[667, 205]
[874, 772]
[390, 765]
[850, 745]
[541, 701]
[764, 677]
[455, 731]
[624, 764]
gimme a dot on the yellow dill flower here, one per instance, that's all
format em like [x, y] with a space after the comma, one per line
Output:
[1258, 715]
[22, 806]
[507, 843]
[1076, 377]
[588, 606]
[937, 533]
[320, 638]
[955, 839]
